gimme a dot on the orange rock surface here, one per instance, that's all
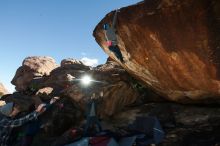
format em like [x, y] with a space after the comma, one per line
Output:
[170, 45]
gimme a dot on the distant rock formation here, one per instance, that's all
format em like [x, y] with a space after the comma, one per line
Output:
[73, 62]
[32, 67]
[170, 45]
[111, 79]
[3, 90]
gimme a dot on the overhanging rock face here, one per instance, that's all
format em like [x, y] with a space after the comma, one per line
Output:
[173, 46]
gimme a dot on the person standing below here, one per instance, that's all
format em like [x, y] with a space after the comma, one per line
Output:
[91, 118]
[7, 121]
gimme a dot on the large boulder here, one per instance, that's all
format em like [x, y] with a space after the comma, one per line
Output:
[3, 90]
[170, 45]
[110, 79]
[32, 67]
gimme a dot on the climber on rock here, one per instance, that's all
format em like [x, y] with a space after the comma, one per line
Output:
[111, 38]
[32, 128]
[7, 121]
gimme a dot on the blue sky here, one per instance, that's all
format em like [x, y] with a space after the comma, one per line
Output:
[57, 28]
